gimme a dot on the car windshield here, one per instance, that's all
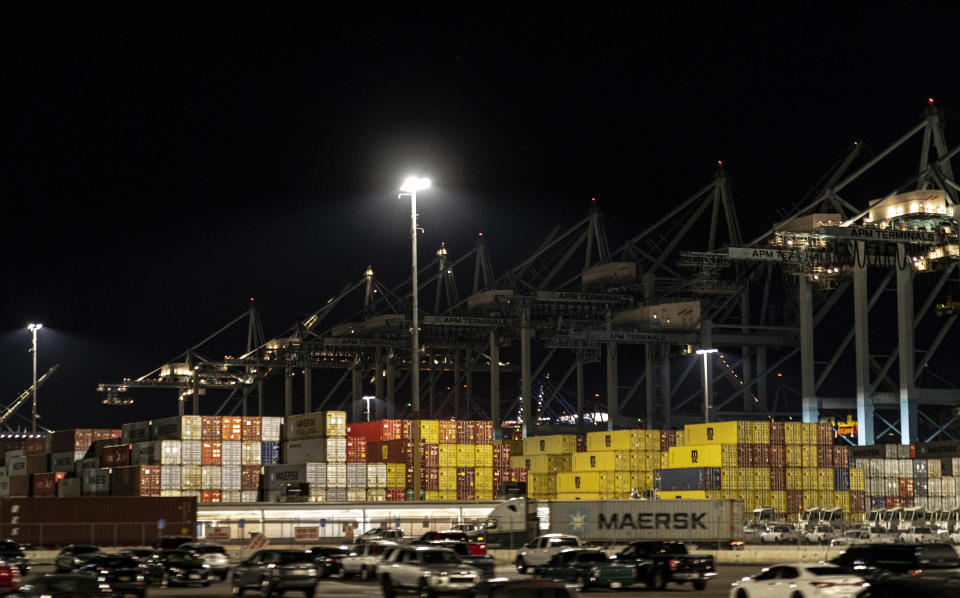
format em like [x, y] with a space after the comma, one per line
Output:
[181, 558]
[115, 562]
[824, 571]
[439, 557]
[208, 549]
[288, 558]
[8, 546]
[783, 528]
[921, 530]
[938, 557]
[563, 541]
[824, 528]
[456, 536]
[591, 557]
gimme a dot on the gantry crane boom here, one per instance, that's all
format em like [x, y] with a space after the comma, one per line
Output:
[26, 395]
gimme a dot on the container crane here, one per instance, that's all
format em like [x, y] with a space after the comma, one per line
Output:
[9, 411]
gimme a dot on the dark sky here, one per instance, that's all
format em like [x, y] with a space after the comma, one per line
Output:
[163, 163]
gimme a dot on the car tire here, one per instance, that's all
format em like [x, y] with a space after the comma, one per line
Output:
[265, 589]
[657, 581]
[521, 566]
[309, 592]
[364, 574]
[699, 585]
[796, 595]
[387, 586]
[741, 593]
[236, 590]
[423, 590]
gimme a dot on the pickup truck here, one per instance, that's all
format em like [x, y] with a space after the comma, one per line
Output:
[541, 549]
[660, 563]
[588, 568]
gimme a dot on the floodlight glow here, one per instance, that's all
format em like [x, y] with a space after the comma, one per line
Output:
[705, 351]
[36, 326]
[412, 184]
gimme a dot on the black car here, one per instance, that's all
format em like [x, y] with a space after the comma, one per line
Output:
[69, 585]
[123, 573]
[74, 555]
[898, 587]
[484, 562]
[502, 588]
[12, 554]
[327, 559]
[877, 561]
[178, 567]
[275, 572]
[173, 542]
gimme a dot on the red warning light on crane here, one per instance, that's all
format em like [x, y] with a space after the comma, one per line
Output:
[930, 101]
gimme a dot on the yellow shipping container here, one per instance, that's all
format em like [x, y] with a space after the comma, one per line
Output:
[542, 463]
[466, 456]
[447, 477]
[650, 460]
[703, 455]
[584, 481]
[429, 430]
[625, 483]
[578, 496]
[680, 438]
[646, 480]
[857, 479]
[811, 499]
[731, 478]
[542, 485]
[616, 440]
[651, 440]
[447, 494]
[664, 459]
[687, 494]
[808, 455]
[824, 478]
[760, 478]
[793, 432]
[483, 494]
[794, 477]
[483, 478]
[601, 461]
[794, 455]
[431, 495]
[730, 494]
[447, 454]
[841, 498]
[397, 475]
[778, 500]
[810, 433]
[716, 433]
[483, 455]
[810, 478]
[555, 444]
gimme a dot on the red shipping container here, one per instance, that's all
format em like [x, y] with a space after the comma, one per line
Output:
[778, 478]
[19, 485]
[252, 429]
[484, 433]
[392, 429]
[210, 452]
[913, 451]
[794, 501]
[34, 446]
[71, 440]
[744, 455]
[115, 456]
[906, 502]
[391, 451]
[778, 455]
[45, 484]
[250, 477]
[825, 456]
[136, 480]
[231, 428]
[396, 494]
[447, 431]
[501, 455]
[356, 449]
[906, 487]
[429, 455]
[466, 494]
[466, 432]
[777, 433]
[824, 434]
[430, 478]
[106, 434]
[38, 463]
[209, 496]
[210, 427]
[520, 474]
[761, 455]
[893, 502]
[858, 501]
[841, 456]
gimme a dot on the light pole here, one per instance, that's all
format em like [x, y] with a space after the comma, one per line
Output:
[368, 399]
[411, 185]
[34, 328]
[706, 382]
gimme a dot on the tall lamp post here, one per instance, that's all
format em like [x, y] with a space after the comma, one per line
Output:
[411, 185]
[368, 399]
[706, 382]
[34, 328]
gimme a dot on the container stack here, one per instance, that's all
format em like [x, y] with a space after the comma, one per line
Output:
[897, 475]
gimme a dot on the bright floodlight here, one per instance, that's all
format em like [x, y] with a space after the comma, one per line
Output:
[414, 183]
[705, 351]
[36, 326]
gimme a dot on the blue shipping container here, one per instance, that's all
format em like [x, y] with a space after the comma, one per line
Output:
[920, 468]
[841, 479]
[270, 453]
[877, 502]
[693, 478]
[920, 487]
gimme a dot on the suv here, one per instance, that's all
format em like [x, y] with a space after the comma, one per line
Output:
[474, 547]
[819, 534]
[379, 534]
[275, 572]
[214, 555]
[876, 561]
[362, 560]
[781, 533]
[426, 570]
[588, 567]
[541, 549]
[72, 556]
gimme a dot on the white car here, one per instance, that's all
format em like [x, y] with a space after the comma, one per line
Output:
[780, 533]
[922, 535]
[362, 560]
[752, 531]
[819, 534]
[541, 549]
[955, 538]
[798, 579]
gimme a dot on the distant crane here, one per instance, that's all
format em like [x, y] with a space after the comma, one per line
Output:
[12, 409]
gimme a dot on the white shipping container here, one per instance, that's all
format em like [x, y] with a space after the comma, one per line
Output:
[230, 478]
[16, 465]
[231, 452]
[171, 493]
[891, 468]
[356, 494]
[316, 475]
[170, 477]
[336, 450]
[66, 461]
[96, 481]
[337, 476]
[14, 453]
[190, 494]
[230, 496]
[159, 452]
[376, 494]
[892, 487]
[250, 452]
[134, 432]
[933, 486]
[312, 450]
[249, 496]
[69, 488]
[933, 468]
[906, 468]
[318, 494]
[356, 475]
[191, 452]
[185, 427]
[210, 477]
[89, 463]
[377, 475]
[336, 495]
[191, 477]
[270, 429]
[276, 477]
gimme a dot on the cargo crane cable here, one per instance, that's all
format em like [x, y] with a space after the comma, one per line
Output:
[26, 394]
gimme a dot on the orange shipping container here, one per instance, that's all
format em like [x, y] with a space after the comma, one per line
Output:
[136, 480]
[231, 428]
[210, 452]
[34, 446]
[45, 484]
[210, 496]
[250, 477]
[448, 431]
[251, 429]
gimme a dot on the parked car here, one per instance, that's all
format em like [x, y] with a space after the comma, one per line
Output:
[12, 554]
[955, 538]
[63, 585]
[660, 563]
[173, 542]
[178, 567]
[501, 587]
[752, 531]
[328, 559]
[781, 533]
[214, 555]
[9, 578]
[427, 570]
[122, 573]
[380, 534]
[483, 562]
[798, 579]
[876, 561]
[819, 534]
[922, 534]
[541, 549]
[274, 572]
[473, 546]
[72, 556]
[897, 587]
[587, 568]
[362, 560]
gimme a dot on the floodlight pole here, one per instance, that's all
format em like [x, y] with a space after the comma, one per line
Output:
[34, 328]
[706, 382]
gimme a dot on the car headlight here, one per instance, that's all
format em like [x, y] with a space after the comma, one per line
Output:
[140, 578]
[101, 578]
[205, 566]
[311, 571]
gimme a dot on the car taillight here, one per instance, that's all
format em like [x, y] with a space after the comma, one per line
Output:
[476, 548]
[914, 572]
[673, 564]
[7, 576]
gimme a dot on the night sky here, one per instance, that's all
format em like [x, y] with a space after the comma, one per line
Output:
[162, 164]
